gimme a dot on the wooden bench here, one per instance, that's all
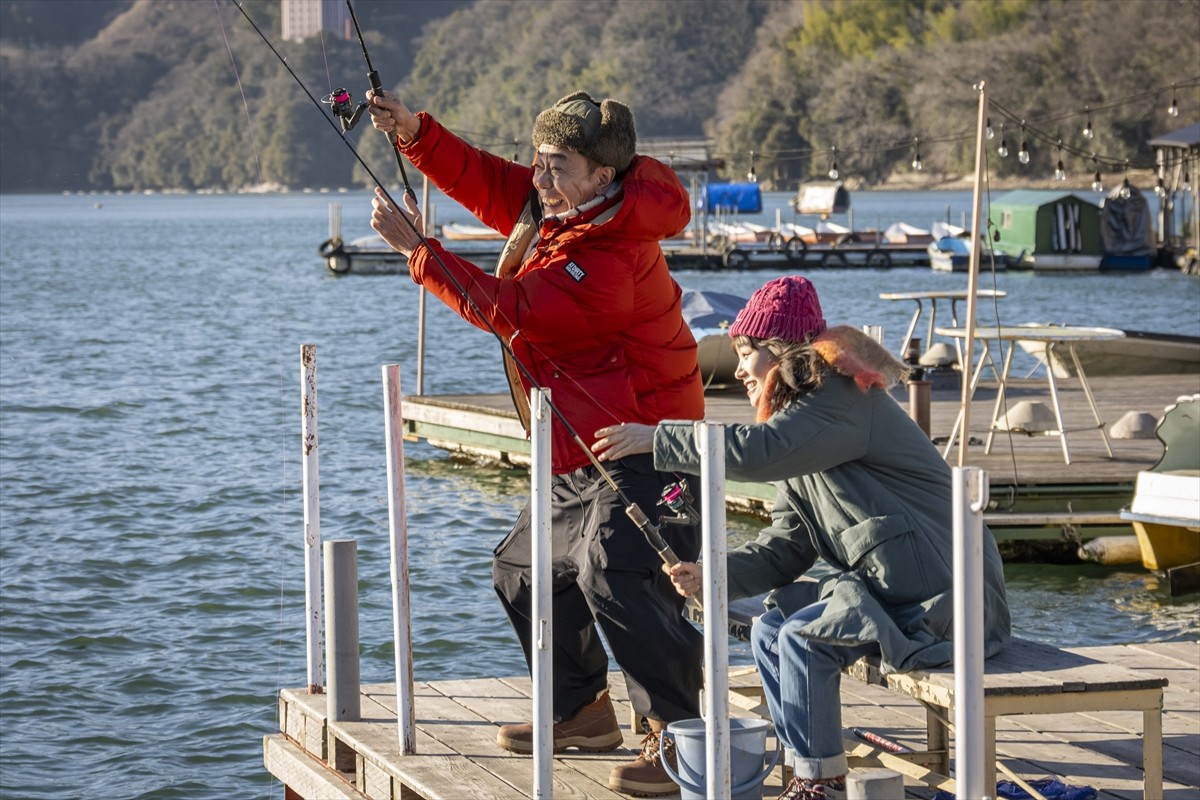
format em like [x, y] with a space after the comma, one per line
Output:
[1025, 678]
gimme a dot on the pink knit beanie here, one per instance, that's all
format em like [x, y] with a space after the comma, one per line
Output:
[785, 308]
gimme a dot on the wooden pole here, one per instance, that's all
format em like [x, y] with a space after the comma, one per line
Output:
[312, 516]
[973, 274]
[421, 295]
[398, 539]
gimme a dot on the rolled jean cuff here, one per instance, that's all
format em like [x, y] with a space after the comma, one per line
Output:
[813, 768]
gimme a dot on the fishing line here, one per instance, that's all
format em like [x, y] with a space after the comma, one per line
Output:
[281, 628]
[635, 513]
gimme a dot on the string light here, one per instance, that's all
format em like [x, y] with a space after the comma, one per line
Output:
[1187, 181]
[916, 162]
[1060, 173]
[1023, 153]
[833, 170]
[752, 176]
[1126, 192]
[1174, 109]
[1088, 133]
[1002, 150]
[1160, 189]
[991, 134]
[1097, 184]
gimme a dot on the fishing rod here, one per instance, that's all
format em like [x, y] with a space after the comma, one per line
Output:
[377, 88]
[675, 496]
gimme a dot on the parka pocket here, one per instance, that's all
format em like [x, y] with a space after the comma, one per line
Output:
[883, 551]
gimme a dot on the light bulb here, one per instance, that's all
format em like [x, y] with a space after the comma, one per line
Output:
[833, 172]
[1088, 133]
[916, 162]
[1097, 184]
[1160, 189]
[1060, 174]
[1174, 109]
[1126, 192]
[1003, 148]
[1187, 182]
[751, 176]
[1023, 153]
[991, 134]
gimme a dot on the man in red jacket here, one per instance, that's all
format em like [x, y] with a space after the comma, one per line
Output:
[583, 298]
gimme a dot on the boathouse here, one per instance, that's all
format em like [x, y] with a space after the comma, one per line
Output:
[1051, 229]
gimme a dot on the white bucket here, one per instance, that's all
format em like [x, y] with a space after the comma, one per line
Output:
[747, 751]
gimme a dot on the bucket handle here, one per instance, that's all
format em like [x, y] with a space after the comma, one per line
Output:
[741, 787]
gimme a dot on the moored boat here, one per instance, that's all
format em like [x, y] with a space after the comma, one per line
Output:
[1136, 353]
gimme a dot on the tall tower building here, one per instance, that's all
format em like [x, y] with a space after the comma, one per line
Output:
[305, 18]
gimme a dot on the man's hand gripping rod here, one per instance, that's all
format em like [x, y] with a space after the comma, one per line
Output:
[648, 529]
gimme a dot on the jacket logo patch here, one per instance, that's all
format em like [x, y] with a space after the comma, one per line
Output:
[575, 271]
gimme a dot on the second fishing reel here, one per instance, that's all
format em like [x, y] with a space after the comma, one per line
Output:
[342, 105]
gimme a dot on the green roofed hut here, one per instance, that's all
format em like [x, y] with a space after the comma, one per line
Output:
[1049, 229]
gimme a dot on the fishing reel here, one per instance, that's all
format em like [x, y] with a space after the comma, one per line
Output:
[342, 105]
[677, 497]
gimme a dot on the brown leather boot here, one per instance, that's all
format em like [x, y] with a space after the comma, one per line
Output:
[645, 777]
[593, 729]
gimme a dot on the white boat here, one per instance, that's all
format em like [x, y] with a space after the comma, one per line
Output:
[1136, 353]
[461, 232]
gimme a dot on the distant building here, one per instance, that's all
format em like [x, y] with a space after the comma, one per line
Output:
[305, 18]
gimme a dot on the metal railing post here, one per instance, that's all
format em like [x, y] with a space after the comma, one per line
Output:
[398, 540]
[312, 516]
[970, 493]
[542, 615]
[710, 440]
[341, 595]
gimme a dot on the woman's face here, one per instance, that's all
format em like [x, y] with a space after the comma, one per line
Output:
[753, 365]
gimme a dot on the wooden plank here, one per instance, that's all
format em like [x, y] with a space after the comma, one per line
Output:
[303, 774]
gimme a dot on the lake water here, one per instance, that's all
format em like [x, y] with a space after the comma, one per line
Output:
[151, 561]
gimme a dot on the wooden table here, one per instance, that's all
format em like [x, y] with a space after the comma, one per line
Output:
[1053, 336]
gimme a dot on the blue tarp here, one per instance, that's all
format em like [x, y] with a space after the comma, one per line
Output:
[739, 198]
[1050, 788]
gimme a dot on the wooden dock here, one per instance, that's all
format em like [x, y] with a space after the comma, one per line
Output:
[1036, 500]
[457, 756]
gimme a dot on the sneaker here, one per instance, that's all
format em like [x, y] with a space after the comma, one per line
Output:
[814, 789]
[593, 729]
[645, 777]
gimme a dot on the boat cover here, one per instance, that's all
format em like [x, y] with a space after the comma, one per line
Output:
[1125, 224]
[739, 198]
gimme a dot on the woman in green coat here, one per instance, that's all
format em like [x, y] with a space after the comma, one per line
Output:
[858, 485]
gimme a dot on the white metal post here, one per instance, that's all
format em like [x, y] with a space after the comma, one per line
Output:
[312, 516]
[970, 496]
[398, 539]
[543, 636]
[422, 293]
[710, 439]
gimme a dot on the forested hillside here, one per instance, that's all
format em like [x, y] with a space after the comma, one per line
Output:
[164, 94]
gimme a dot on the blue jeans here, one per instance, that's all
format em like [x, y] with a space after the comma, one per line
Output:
[802, 680]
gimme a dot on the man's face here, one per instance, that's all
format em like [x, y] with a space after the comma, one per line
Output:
[565, 179]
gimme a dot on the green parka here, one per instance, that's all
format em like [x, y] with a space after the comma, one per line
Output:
[859, 485]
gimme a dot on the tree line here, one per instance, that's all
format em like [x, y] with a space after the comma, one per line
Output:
[175, 94]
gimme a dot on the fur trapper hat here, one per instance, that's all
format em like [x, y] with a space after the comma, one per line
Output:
[602, 131]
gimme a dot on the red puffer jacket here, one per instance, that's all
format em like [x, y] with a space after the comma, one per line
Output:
[592, 313]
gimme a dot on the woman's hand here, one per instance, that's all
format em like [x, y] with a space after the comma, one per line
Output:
[626, 439]
[392, 117]
[389, 222]
[685, 576]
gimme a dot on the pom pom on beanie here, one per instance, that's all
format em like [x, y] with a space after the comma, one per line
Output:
[785, 308]
[601, 131]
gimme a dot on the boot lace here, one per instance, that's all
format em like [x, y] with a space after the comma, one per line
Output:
[650, 750]
[812, 789]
